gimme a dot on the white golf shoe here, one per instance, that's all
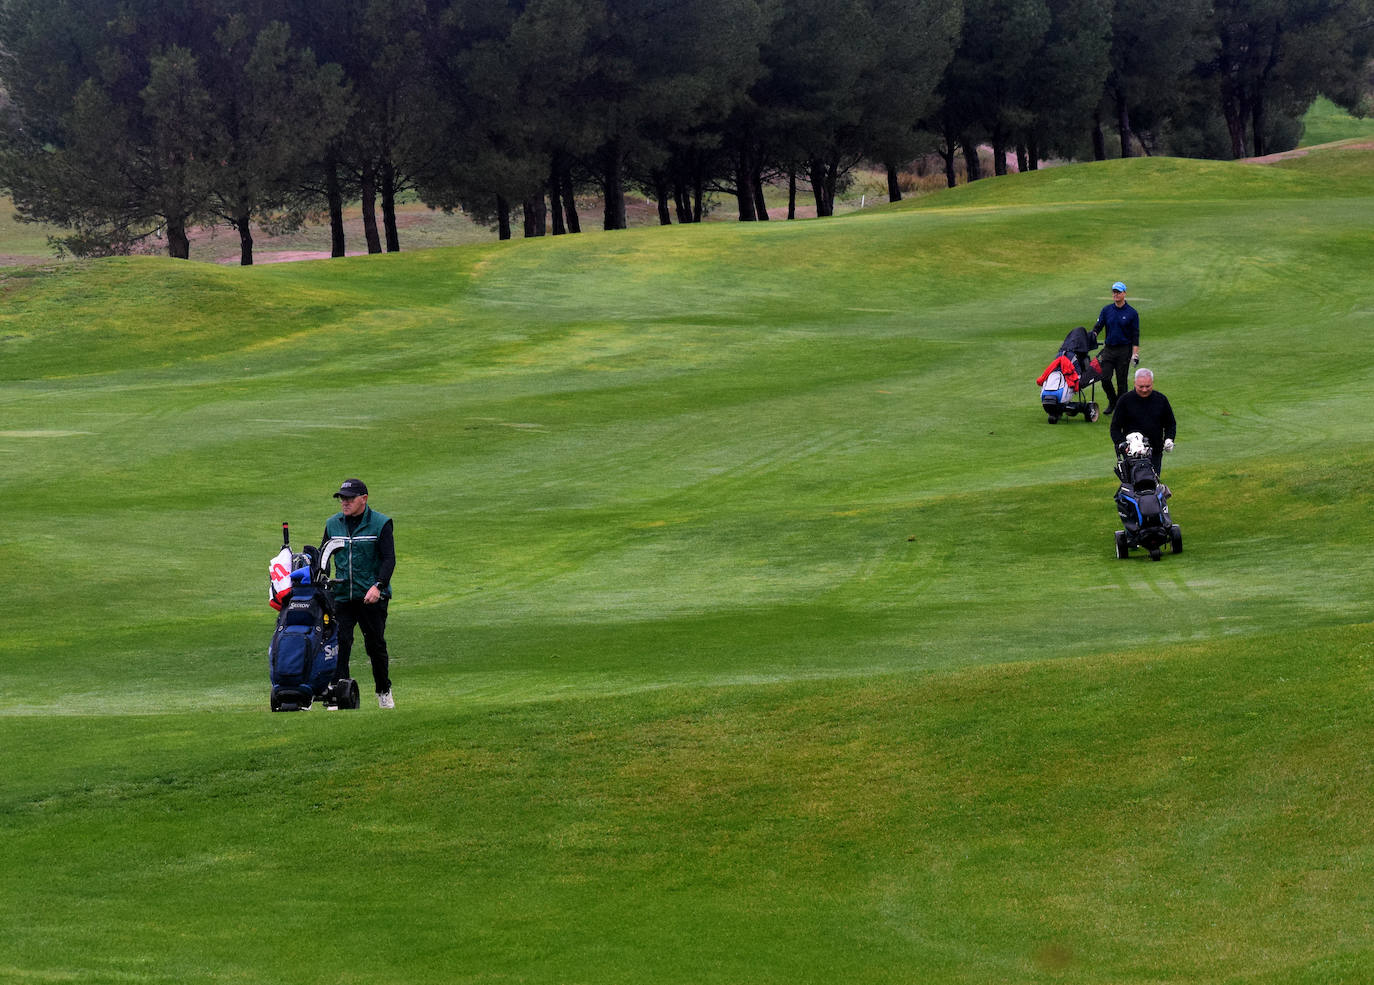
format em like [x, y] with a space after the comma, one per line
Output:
[385, 700]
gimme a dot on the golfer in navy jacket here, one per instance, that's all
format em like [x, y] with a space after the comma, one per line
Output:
[1121, 347]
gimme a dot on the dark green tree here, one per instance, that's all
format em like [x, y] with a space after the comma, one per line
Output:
[913, 43]
[658, 70]
[112, 130]
[381, 47]
[700, 79]
[280, 112]
[1273, 57]
[1064, 79]
[1156, 48]
[983, 93]
[807, 110]
[158, 118]
[484, 153]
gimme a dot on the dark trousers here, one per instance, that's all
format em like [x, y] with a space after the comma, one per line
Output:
[371, 619]
[1115, 360]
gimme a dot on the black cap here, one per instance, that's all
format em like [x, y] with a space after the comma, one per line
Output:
[351, 488]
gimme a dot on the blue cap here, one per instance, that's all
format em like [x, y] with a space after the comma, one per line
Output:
[1118, 286]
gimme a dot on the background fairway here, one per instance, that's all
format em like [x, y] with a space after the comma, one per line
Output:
[1325, 122]
[750, 626]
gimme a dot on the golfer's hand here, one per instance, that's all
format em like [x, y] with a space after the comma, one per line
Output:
[373, 594]
[1168, 444]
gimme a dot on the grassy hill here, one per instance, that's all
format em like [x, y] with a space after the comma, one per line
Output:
[750, 625]
[1326, 122]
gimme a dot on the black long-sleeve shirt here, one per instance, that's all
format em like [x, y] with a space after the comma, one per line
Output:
[1152, 416]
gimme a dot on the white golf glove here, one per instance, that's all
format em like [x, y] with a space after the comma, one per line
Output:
[1168, 444]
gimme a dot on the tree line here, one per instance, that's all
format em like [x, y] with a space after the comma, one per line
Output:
[126, 119]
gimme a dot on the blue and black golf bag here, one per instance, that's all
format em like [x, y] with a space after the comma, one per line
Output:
[1142, 503]
[304, 655]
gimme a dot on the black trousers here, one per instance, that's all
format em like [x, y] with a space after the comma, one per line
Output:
[371, 619]
[1115, 361]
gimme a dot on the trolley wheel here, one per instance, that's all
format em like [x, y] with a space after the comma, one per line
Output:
[1093, 412]
[349, 697]
[1154, 554]
[275, 700]
[1123, 550]
[1176, 539]
[1052, 419]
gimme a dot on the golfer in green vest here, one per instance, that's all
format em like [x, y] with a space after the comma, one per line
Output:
[363, 565]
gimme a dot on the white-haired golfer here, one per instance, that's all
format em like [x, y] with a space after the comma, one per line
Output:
[1146, 410]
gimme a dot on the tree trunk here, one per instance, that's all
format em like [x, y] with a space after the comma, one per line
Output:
[682, 201]
[1261, 85]
[971, 162]
[894, 187]
[744, 195]
[1099, 138]
[947, 155]
[335, 197]
[760, 204]
[822, 187]
[791, 191]
[244, 225]
[502, 218]
[744, 198]
[556, 199]
[1022, 158]
[663, 197]
[1257, 125]
[178, 243]
[999, 153]
[1235, 123]
[369, 202]
[570, 200]
[613, 186]
[1123, 123]
[393, 238]
[535, 216]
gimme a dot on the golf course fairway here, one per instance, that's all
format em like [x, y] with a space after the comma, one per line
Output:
[751, 625]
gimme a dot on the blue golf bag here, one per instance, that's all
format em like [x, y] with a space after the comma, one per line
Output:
[1142, 504]
[303, 657]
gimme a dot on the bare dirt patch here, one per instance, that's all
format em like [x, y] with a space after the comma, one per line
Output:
[1289, 155]
[286, 256]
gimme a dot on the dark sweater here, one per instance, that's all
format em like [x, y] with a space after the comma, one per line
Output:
[1151, 416]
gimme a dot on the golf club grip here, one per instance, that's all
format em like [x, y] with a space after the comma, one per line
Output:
[285, 534]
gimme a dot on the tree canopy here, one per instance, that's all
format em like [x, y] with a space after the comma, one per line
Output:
[130, 121]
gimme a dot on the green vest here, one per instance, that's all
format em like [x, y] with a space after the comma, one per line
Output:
[355, 564]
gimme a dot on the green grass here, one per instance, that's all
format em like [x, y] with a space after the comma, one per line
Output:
[1326, 122]
[750, 626]
[22, 242]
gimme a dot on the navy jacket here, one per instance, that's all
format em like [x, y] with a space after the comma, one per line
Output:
[1123, 324]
